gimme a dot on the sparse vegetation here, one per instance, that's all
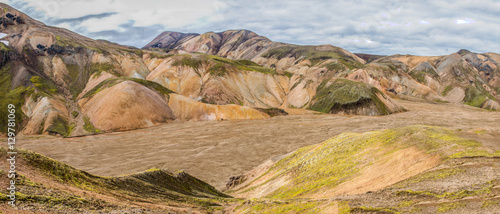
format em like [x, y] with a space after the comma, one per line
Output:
[312, 54]
[59, 126]
[219, 69]
[288, 74]
[334, 66]
[98, 68]
[363, 209]
[450, 195]
[268, 206]
[446, 90]
[44, 86]
[189, 61]
[446, 207]
[159, 55]
[435, 175]
[88, 126]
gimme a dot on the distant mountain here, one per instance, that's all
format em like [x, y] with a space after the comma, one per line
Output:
[467, 77]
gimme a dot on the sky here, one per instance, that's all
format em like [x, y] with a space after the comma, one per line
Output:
[425, 27]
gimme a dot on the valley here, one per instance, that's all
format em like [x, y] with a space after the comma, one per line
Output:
[216, 150]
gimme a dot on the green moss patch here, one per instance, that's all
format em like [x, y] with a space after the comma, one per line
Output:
[474, 97]
[88, 126]
[43, 85]
[14, 96]
[343, 93]
[59, 126]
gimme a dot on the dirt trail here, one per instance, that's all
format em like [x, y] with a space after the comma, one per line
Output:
[215, 150]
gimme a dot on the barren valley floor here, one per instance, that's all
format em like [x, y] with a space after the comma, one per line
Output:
[215, 150]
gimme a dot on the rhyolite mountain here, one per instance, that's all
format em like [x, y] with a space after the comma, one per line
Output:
[67, 84]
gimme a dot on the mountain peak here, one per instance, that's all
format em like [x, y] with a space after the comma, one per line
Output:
[463, 52]
[169, 39]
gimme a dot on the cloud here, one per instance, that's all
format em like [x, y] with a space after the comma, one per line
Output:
[391, 27]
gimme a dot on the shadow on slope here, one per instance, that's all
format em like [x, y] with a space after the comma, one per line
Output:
[44, 184]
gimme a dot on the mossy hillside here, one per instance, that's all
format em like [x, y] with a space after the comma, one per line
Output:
[343, 92]
[108, 83]
[77, 79]
[189, 61]
[159, 55]
[219, 69]
[157, 185]
[72, 44]
[44, 86]
[219, 66]
[474, 97]
[242, 64]
[312, 54]
[55, 200]
[419, 74]
[59, 126]
[15, 96]
[79, 75]
[334, 66]
[334, 161]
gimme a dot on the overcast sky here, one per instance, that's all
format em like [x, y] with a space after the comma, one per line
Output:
[423, 27]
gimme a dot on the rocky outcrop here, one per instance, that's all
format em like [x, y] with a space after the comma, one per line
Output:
[343, 96]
